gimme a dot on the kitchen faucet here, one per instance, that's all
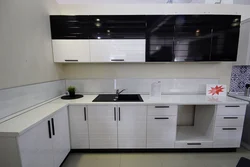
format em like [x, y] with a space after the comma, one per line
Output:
[118, 92]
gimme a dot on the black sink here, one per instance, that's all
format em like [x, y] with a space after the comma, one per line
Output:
[121, 98]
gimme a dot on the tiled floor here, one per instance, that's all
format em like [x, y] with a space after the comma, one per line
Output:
[156, 159]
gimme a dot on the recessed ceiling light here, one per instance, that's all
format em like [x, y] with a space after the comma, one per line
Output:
[97, 19]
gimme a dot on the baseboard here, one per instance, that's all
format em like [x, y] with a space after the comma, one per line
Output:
[196, 150]
[245, 145]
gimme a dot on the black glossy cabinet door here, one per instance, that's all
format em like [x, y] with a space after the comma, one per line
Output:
[160, 38]
[69, 27]
[117, 27]
[192, 38]
[225, 38]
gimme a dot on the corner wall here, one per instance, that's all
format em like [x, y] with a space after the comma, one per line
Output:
[25, 43]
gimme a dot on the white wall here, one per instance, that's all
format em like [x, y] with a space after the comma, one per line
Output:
[222, 71]
[25, 43]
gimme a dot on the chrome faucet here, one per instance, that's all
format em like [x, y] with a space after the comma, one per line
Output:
[118, 92]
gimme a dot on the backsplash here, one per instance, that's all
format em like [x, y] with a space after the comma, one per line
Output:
[240, 77]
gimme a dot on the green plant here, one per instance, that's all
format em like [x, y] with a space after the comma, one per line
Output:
[71, 90]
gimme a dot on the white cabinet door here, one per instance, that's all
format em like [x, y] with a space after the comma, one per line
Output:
[161, 131]
[79, 131]
[36, 148]
[132, 126]
[60, 136]
[118, 50]
[102, 127]
[71, 50]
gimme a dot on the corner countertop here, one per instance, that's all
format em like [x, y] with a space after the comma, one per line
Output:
[240, 96]
[22, 123]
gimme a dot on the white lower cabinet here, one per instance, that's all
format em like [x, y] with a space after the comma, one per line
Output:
[102, 127]
[79, 132]
[132, 126]
[47, 144]
[161, 131]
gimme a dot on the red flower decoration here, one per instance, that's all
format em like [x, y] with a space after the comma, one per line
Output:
[217, 90]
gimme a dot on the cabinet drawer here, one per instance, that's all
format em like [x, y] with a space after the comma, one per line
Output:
[227, 137]
[160, 143]
[203, 144]
[231, 121]
[162, 110]
[231, 110]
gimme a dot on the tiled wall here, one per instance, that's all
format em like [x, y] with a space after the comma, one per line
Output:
[240, 77]
[142, 86]
[13, 100]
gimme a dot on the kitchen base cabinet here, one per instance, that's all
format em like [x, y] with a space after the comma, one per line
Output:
[79, 131]
[102, 127]
[45, 145]
[132, 126]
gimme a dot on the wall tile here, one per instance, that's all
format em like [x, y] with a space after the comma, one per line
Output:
[13, 100]
[239, 78]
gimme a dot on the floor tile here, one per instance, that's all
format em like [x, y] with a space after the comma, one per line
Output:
[140, 160]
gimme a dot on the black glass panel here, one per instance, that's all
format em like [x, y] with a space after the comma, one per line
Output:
[160, 38]
[69, 27]
[117, 27]
[225, 39]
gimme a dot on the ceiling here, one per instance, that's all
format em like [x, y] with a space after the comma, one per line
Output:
[247, 2]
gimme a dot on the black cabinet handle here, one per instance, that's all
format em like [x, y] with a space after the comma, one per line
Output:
[162, 118]
[161, 106]
[85, 114]
[49, 128]
[233, 106]
[71, 60]
[53, 127]
[229, 128]
[117, 59]
[119, 114]
[230, 117]
[194, 144]
[114, 113]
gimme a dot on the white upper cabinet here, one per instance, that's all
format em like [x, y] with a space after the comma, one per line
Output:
[244, 45]
[118, 50]
[71, 51]
[132, 126]
[79, 127]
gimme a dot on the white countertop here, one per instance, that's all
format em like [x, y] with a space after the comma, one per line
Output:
[20, 124]
[242, 97]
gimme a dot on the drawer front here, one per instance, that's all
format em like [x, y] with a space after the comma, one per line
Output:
[162, 110]
[226, 137]
[230, 121]
[203, 144]
[231, 110]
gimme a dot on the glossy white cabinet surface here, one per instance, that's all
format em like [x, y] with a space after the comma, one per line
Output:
[102, 127]
[79, 131]
[161, 131]
[61, 138]
[118, 50]
[132, 126]
[36, 148]
[71, 50]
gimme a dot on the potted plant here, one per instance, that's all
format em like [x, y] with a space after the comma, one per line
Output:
[72, 91]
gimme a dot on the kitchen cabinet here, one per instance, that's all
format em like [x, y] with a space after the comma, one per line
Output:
[244, 44]
[102, 126]
[132, 126]
[46, 144]
[71, 51]
[160, 117]
[60, 136]
[79, 131]
[36, 146]
[117, 50]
